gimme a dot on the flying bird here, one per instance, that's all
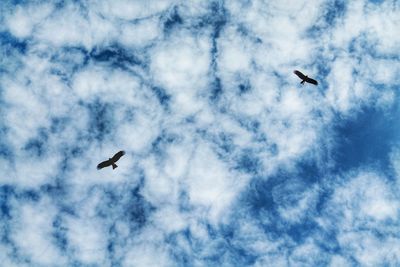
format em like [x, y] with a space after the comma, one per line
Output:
[305, 78]
[111, 161]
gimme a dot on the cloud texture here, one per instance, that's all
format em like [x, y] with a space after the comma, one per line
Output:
[230, 161]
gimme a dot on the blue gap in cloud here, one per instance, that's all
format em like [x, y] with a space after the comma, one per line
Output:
[216, 89]
[59, 233]
[249, 123]
[116, 56]
[264, 197]
[217, 19]
[244, 88]
[360, 45]
[111, 202]
[29, 195]
[67, 61]
[180, 255]
[138, 209]
[6, 151]
[37, 146]
[58, 124]
[172, 20]
[55, 190]
[7, 195]
[229, 250]
[8, 42]
[241, 256]
[323, 70]
[334, 11]
[376, 1]
[248, 162]
[367, 139]
[113, 242]
[6, 191]
[163, 97]
[69, 151]
[162, 141]
[101, 122]
[113, 235]
[81, 4]
[238, 255]
[243, 85]
[224, 144]
[327, 241]
[260, 204]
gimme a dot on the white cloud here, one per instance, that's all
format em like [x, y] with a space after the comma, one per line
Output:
[368, 197]
[184, 71]
[339, 261]
[129, 10]
[370, 250]
[169, 220]
[32, 231]
[209, 183]
[234, 56]
[341, 93]
[116, 86]
[159, 188]
[191, 177]
[141, 33]
[87, 240]
[361, 210]
[307, 254]
[147, 255]
[23, 20]
[73, 27]
[148, 249]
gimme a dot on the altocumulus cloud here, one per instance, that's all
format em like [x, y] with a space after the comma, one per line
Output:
[229, 160]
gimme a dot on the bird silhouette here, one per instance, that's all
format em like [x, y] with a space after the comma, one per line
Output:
[305, 78]
[111, 161]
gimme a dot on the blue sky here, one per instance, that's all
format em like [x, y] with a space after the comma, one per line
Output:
[229, 160]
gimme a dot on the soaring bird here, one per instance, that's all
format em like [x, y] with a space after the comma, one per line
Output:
[111, 161]
[305, 78]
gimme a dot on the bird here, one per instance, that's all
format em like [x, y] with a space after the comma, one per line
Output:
[111, 161]
[305, 78]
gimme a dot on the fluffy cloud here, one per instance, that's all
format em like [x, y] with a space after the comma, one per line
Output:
[229, 160]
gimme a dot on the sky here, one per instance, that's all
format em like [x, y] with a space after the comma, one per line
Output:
[229, 161]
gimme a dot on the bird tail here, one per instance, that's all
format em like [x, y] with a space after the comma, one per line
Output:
[114, 166]
[303, 81]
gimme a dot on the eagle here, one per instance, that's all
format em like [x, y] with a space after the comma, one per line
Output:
[111, 161]
[305, 78]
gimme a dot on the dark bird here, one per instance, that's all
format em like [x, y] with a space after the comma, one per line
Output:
[111, 161]
[305, 78]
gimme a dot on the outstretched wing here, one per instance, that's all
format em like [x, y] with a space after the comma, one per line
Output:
[117, 156]
[309, 80]
[104, 164]
[300, 75]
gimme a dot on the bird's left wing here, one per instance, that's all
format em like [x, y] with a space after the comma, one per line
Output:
[118, 155]
[309, 80]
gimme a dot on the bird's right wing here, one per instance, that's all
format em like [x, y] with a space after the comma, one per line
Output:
[104, 164]
[299, 74]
